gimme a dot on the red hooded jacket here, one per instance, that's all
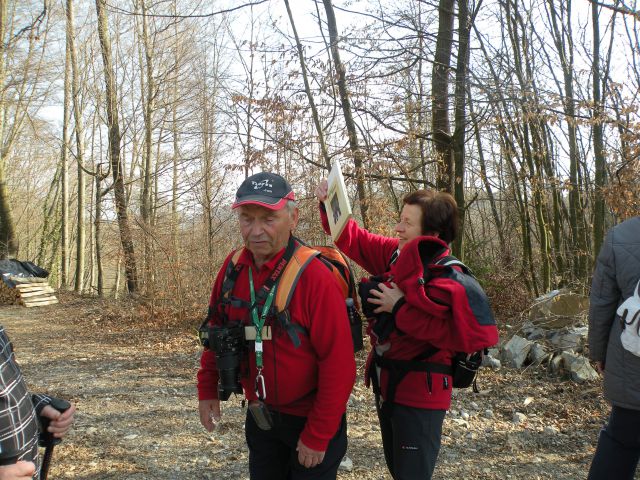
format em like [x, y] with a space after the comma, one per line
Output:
[418, 326]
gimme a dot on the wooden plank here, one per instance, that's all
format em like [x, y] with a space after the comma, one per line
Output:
[22, 286]
[34, 288]
[15, 279]
[22, 291]
[36, 293]
[42, 297]
[34, 304]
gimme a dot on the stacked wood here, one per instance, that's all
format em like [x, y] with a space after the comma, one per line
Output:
[8, 295]
[27, 291]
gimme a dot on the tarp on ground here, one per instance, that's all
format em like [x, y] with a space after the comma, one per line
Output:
[16, 268]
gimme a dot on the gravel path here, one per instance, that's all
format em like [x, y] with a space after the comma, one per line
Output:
[134, 387]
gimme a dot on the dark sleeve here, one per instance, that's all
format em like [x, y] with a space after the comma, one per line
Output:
[18, 423]
[603, 300]
[40, 401]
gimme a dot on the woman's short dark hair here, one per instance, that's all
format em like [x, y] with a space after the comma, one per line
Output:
[439, 212]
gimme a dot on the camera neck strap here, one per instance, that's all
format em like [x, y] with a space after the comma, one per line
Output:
[269, 289]
[259, 321]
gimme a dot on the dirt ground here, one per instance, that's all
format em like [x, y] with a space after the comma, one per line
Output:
[137, 416]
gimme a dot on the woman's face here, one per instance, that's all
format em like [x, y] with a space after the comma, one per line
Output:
[410, 224]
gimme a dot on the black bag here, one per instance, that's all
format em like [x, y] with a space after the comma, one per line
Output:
[464, 369]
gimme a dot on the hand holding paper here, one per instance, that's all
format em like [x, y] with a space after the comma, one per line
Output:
[336, 201]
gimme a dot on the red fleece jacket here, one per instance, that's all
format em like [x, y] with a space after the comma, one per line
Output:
[313, 380]
[417, 329]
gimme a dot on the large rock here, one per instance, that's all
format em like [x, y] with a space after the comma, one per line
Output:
[346, 465]
[491, 362]
[515, 352]
[533, 332]
[538, 354]
[572, 339]
[578, 367]
[568, 359]
[581, 370]
[558, 308]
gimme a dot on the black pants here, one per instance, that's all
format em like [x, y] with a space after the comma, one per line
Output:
[618, 449]
[273, 455]
[411, 440]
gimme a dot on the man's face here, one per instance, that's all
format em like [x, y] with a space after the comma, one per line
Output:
[265, 232]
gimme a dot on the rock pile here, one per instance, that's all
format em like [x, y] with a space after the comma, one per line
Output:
[555, 336]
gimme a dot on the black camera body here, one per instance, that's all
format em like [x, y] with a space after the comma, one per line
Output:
[383, 323]
[228, 344]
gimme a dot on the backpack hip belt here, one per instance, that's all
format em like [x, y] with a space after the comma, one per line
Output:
[398, 369]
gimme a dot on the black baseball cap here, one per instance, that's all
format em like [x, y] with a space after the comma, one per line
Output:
[266, 189]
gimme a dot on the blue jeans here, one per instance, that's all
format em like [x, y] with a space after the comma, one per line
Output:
[618, 449]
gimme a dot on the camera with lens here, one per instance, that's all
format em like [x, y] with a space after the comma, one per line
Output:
[383, 323]
[228, 344]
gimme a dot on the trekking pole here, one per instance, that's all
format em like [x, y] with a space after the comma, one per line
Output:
[47, 439]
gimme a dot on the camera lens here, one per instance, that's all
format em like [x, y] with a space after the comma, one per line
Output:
[228, 342]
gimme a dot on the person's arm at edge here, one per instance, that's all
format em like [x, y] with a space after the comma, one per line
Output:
[603, 301]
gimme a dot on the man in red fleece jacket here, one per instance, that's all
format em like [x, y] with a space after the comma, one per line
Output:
[298, 379]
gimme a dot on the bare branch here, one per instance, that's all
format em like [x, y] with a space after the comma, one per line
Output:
[113, 8]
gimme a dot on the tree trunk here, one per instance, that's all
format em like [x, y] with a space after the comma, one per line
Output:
[147, 161]
[64, 167]
[97, 233]
[307, 89]
[114, 150]
[79, 130]
[8, 237]
[174, 172]
[530, 139]
[598, 137]
[440, 97]
[341, 80]
[458, 140]
[564, 44]
[485, 179]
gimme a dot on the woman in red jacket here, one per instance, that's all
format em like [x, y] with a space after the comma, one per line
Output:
[411, 407]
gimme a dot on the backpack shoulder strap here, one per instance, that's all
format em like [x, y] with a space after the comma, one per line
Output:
[302, 256]
[231, 273]
[230, 276]
[451, 261]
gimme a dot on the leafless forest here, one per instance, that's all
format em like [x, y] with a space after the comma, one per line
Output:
[126, 126]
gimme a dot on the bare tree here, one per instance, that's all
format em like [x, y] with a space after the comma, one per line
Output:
[440, 96]
[79, 132]
[114, 150]
[8, 239]
[341, 80]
